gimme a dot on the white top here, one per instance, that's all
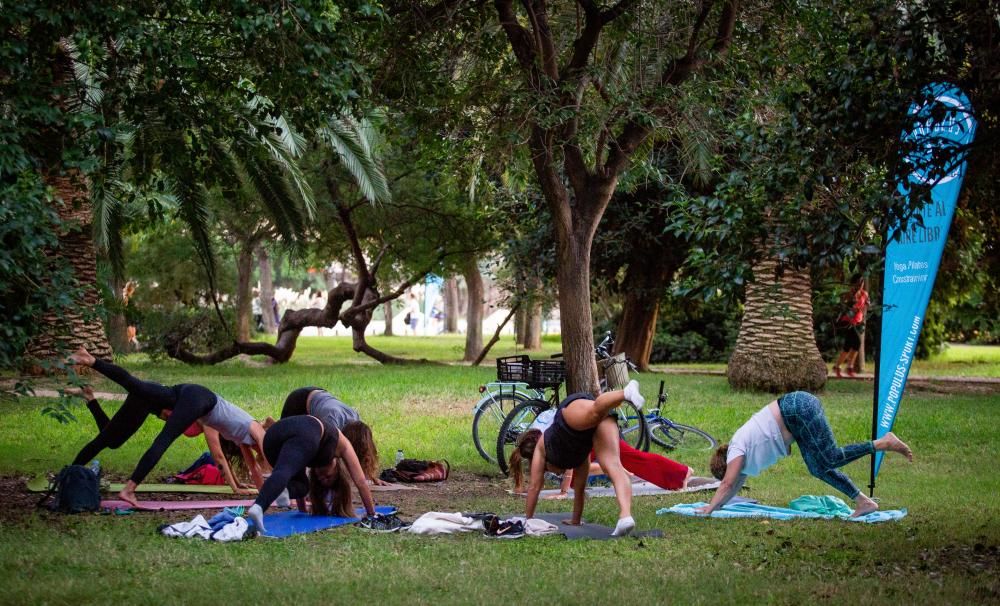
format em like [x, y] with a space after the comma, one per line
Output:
[543, 420]
[759, 441]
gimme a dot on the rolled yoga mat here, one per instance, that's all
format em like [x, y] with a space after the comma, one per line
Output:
[175, 505]
[287, 523]
[41, 484]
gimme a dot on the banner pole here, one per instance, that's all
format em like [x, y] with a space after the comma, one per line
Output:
[877, 350]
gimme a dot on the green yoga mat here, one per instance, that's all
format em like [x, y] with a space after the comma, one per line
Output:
[41, 484]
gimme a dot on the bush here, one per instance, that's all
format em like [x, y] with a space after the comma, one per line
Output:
[695, 331]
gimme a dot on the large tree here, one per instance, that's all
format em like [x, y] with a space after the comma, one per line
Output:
[592, 95]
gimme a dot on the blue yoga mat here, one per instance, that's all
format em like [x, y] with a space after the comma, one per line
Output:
[756, 510]
[287, 523]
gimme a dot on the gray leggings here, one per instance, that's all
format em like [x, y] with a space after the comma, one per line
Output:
[803, 415]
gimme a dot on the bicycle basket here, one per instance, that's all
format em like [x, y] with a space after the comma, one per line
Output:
[547, 373]
[616, 372]
[514, 369]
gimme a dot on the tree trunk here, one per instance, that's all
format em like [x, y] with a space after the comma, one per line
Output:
[474, 314]
[533, 325]
[266, 290]
[244, 292]
[776, 347]
[451, 305]
[644, 285]
[520, 324]
[80, 325]
[573, 273]
[387, 312]
[117, 324]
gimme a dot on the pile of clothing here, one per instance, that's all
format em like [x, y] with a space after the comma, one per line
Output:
[228, 526]
[491, 525]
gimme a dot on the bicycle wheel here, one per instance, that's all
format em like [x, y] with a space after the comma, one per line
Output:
[490, 414]
[632, 426]
[517, 422]
[682, 440]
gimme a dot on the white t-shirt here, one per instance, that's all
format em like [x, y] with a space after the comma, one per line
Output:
[759, 441]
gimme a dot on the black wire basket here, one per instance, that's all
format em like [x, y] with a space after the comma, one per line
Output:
[514, 369]
[547, 373]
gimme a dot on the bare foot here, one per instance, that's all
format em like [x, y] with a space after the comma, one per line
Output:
[128, 495]
[82, 357]
[864, 505]
[555, 497]
[890, 442]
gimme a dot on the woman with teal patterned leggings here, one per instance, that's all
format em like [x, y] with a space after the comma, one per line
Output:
[767, 437]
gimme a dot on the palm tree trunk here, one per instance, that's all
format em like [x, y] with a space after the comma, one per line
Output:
[80, 325]
[776, 348]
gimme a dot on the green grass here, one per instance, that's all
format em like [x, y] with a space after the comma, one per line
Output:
[945, 551]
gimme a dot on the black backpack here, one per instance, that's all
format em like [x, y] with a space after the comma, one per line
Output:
[76, 489]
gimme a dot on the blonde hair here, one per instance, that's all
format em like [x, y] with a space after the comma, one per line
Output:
[717, 463]
[523, 450]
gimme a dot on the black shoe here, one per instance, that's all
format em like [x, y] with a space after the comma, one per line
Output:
[383, 523]
[495, 528]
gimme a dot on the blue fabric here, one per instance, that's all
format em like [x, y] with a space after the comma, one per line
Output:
[756, 510]
[803, 415]
[287, 523]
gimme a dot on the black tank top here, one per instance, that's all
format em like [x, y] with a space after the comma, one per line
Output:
[565, 447]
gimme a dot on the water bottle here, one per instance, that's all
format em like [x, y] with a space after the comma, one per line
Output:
[95, 466]
[399, 456]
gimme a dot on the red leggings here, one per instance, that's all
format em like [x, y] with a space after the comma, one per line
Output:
[652, 467]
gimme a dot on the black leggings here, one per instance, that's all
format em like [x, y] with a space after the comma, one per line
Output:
[289, 446]
[188, 403]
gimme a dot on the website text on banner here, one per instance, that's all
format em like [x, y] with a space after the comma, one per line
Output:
[943, 128]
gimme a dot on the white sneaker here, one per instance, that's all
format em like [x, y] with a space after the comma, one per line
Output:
[632, 394]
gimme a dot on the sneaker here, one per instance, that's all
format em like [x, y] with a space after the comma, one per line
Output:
[382, 523]
[495, 528]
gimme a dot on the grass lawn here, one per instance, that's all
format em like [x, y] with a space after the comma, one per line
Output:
[947, 549]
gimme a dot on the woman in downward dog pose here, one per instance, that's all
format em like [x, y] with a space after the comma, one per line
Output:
[767, 438]
[581, 424]
[334, 414]
[294, 444]
[180, 405]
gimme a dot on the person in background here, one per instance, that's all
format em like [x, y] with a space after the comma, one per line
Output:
[850, 324]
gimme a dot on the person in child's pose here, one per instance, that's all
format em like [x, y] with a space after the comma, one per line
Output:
[180, 405]
[582, 423]
[767, 438]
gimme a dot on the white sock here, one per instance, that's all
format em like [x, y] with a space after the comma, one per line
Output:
[632, 394]
[256, 514]
[625, 525]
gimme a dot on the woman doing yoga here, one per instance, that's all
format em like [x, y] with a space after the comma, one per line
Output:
[180, 405]
[291, 445]
[767, 438]
[581, 424]
[334, 414]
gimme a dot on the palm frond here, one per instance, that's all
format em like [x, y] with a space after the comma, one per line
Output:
[353, 149]
[268, 179]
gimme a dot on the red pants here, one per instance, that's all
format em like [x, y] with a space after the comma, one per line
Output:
[652, 467]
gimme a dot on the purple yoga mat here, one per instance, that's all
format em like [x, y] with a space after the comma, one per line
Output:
[175, 505]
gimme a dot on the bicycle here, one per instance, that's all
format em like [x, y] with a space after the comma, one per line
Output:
[501, 396]
[679, 439]
[544, 375]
